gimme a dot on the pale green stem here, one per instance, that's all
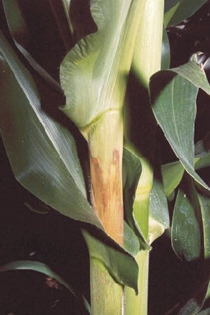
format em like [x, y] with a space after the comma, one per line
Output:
[146, 61]
[106, 294]
[105, 141]
[138, 304]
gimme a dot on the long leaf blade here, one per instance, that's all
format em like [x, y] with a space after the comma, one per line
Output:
[42, 152]
[173, 96]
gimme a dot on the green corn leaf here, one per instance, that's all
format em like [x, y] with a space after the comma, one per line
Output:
[43, 156]
[121, 266]
[186, 223]
[158, 211]
[131, 242]
[131, 174]
[172, 174]
[181, 10]
[173, 97]
[93, 74]
[22, 37]
[205, 211]
[41, 151]
[165, 59]
[169, 4]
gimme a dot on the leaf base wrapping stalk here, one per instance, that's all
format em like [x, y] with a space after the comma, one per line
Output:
[105, 140]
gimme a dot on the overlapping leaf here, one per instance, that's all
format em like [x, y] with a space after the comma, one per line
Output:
[43, 156]
[173, 96]
[121, 266]
[93, 74]
[42, 152]
[186, 225]
[158, 211]
[172, 174]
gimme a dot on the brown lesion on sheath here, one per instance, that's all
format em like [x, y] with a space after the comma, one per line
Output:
[106, 185]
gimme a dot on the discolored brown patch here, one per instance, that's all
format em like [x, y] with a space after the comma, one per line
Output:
[106, 185]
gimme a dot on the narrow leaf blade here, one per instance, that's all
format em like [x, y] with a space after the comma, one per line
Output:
[186, 225]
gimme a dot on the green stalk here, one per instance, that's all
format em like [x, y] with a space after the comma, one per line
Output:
[137, 304]
[146, 61]
[106, 294]
[105, 141]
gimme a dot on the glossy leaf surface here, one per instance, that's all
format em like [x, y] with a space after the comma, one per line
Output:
[158, 211]
[165, 59]
[114, 259]
[186, 225]
[173, 96]
[42, 152]
[172, 174]
[43, 156]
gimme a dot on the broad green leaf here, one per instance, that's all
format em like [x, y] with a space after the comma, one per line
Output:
[41, 151]
[21, 35]
[172, 174]
[93, 74]
[173, 96]
[43, 155]
[131, 242]
[184, 10]
[186, 225]
[122, 267]
[205, 211]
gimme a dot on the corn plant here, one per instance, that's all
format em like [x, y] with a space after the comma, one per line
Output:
[115, 91]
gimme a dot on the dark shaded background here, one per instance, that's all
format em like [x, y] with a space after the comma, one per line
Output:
[55, 240]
